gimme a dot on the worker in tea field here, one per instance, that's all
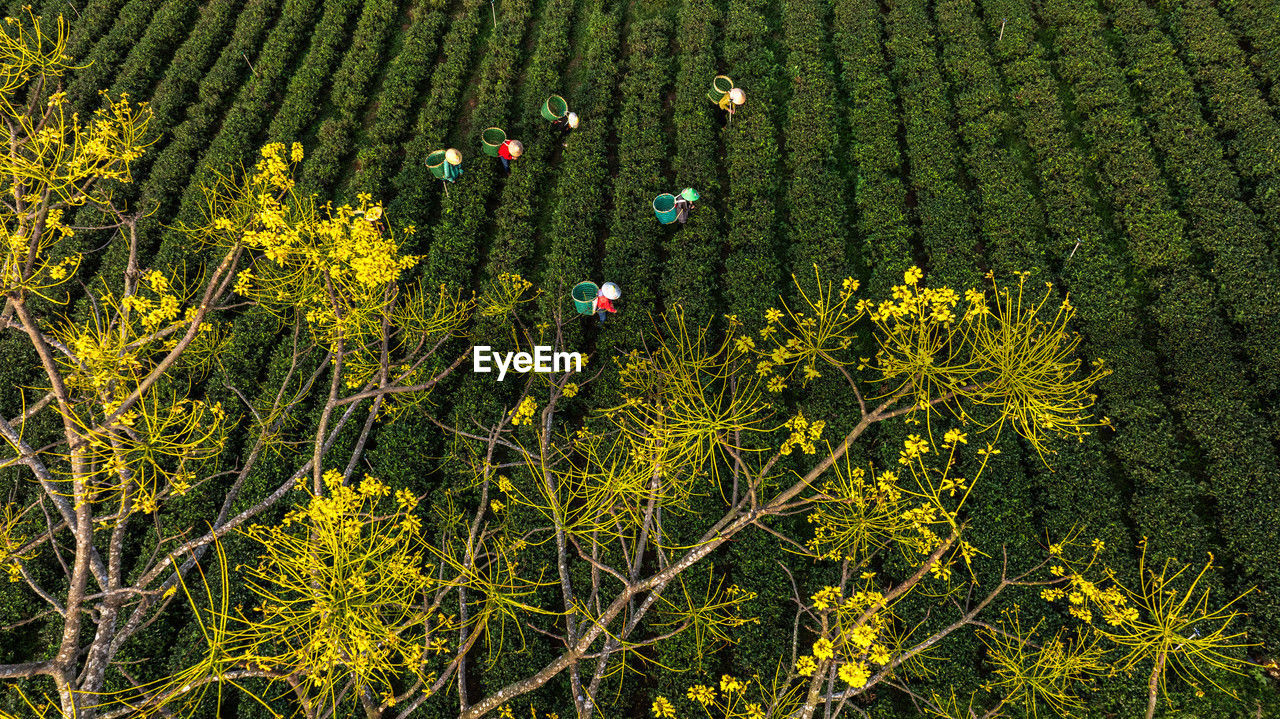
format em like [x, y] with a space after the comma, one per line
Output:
[729, 102]
[508, 151]
[566, 124]
[684, 204]
[604, 301]
[452, 165]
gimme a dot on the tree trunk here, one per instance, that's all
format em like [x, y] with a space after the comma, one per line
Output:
[1153, 685]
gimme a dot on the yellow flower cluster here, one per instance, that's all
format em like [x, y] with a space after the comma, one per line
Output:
[803, 434]
[1083, 596]
[523, 414]
[855, 516]
[855, 674]
[331, 265]
[341, 588]
[729, 685]
[826, 598]
[703, 695]
[912, 447]
[823, 649]
[854, 643]
[805, 339]
[806, 666]
[730, 704]
[150, 446]
[1008, 356]
[506, 293]
[910, 303]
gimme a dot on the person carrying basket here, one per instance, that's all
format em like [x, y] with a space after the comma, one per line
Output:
[726, 97]
[556, 111]
[729, 102]
[603, 302]
[684, 203]
[508, 151]
[565, 125]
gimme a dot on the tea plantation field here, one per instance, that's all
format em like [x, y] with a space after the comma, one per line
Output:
[1126, 151]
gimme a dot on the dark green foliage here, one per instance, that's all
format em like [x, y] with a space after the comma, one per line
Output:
[815, 203]
[109, 50]
[1246, 125]
[1211, 391]
[527, 189]
[455, 251]
[578, 203]
[752, 272]
[873, 141]
[415, 186]
[349, 88]
[404, 76]
[693, 251]
[1218, 222]
[308, 82]
[941, 202]
[635, 236]
[1254, 22]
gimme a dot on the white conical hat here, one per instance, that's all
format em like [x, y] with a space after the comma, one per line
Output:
[611, 291]
[573, 120]
[453, 157]
[737, 96]
[515, 147]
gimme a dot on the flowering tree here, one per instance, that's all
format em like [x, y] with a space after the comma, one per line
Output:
[130, 433]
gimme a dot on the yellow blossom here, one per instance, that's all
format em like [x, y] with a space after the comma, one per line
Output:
[854, 674]
[879, 654]
[524, 413]
[863, 636]
[826, 598]
[915, 445]
[805, 666]
[822, 649]
[703, 695]
[663, 708]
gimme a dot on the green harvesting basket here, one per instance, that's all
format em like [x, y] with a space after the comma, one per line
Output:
[719, 87]
[491, 140]
[554, 108]
[583, 294]
[435, 163]
[664, 206]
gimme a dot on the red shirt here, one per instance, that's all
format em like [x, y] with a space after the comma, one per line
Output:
[504, 152]
[603, 303]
